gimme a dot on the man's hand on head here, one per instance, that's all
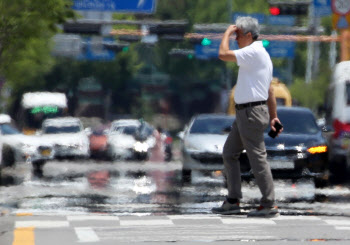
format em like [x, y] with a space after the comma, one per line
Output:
[232, 29]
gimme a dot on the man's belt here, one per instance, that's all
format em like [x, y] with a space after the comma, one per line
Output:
[250, 104]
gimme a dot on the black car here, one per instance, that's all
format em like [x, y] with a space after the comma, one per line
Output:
[299, 151]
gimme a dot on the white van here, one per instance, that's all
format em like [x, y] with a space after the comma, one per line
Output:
[338, 115]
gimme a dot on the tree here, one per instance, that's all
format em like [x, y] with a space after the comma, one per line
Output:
[25, 28]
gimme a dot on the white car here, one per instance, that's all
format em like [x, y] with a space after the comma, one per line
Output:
[202, 143]
[17, 147]
[68, 137]
[130, 139]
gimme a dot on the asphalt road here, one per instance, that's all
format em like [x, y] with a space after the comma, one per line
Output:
[114, 203]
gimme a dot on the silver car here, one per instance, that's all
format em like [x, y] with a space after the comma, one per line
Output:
[68, 136]
[202, 143]
[17, 147]
[130, 139]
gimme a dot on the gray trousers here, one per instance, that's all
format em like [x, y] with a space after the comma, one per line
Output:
[248, 133]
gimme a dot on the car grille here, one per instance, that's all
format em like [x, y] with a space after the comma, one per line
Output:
[283, 153]
[208, 158]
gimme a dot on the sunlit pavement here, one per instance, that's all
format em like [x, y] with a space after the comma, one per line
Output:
[150, 188]
[163, 229]
[114, 203]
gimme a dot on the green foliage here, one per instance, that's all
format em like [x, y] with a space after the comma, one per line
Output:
[310, 95]
[25, 28]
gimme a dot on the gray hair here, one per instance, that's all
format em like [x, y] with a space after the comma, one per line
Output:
[249, 24]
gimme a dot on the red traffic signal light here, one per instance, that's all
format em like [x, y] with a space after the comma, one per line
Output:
[275, 11]
[289, 8]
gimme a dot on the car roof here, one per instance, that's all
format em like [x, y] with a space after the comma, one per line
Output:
[213, 115]
[127, 122]
[59, 121]
[293, 109]
[4, 118]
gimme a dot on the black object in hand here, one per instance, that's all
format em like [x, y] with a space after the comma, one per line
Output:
[278, 127]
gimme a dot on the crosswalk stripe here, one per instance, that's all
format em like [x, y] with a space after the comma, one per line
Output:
[145, 222]
[343, 228]
[248, 221]
[338, 222]
[86, 234]
[296, 218]
[41, 224]
[92, 217]
[193, 217]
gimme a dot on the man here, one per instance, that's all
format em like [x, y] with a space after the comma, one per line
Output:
[255, 107]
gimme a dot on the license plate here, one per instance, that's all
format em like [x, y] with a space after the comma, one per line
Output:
[281, 164]
[345, 143]
[46, 152]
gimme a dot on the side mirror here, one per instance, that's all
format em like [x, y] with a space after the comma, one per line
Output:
[88, 131]
[181, 135]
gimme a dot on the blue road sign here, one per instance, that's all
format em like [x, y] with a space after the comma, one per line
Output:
[322, 8]
[281, 49]
[260, 17]
[96, 51]
[128, 6]
[281, 20]
[212, 50]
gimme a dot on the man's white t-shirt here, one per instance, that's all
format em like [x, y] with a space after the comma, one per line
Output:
[254, 74]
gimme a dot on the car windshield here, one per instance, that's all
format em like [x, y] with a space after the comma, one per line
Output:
[211, 125]
[129, 130]
[63, 129]
[297, 122]
[7, 129]
[133, 130]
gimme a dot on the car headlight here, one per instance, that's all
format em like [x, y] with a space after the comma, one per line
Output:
[27, 148]
[317, 149]
[190, 147]
[141, 147]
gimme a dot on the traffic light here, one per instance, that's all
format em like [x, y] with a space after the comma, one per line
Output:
[169, 30]
[288, 8]
[82, 28]
[265, 43]
[116, 46]
[206, 41]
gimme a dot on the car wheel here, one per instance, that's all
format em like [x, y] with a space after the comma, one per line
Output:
[186, 176]
[38, 168]
[321, 182]
[338, 169]
[8, 157]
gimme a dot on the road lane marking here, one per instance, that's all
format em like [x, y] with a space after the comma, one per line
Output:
[189, 217]
[86, 234]
[248, 221]
[41, 224]
[92, 217]
[23, 236]
[145, 222]
[338, 222]
[24, 214]
[343, 228]
[297, 218]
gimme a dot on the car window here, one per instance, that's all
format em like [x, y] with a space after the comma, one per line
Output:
[7, 129]
[347, 92]
[280, 101]
[297, 122]
[211, 125]
[59, 130]
[128, 130]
